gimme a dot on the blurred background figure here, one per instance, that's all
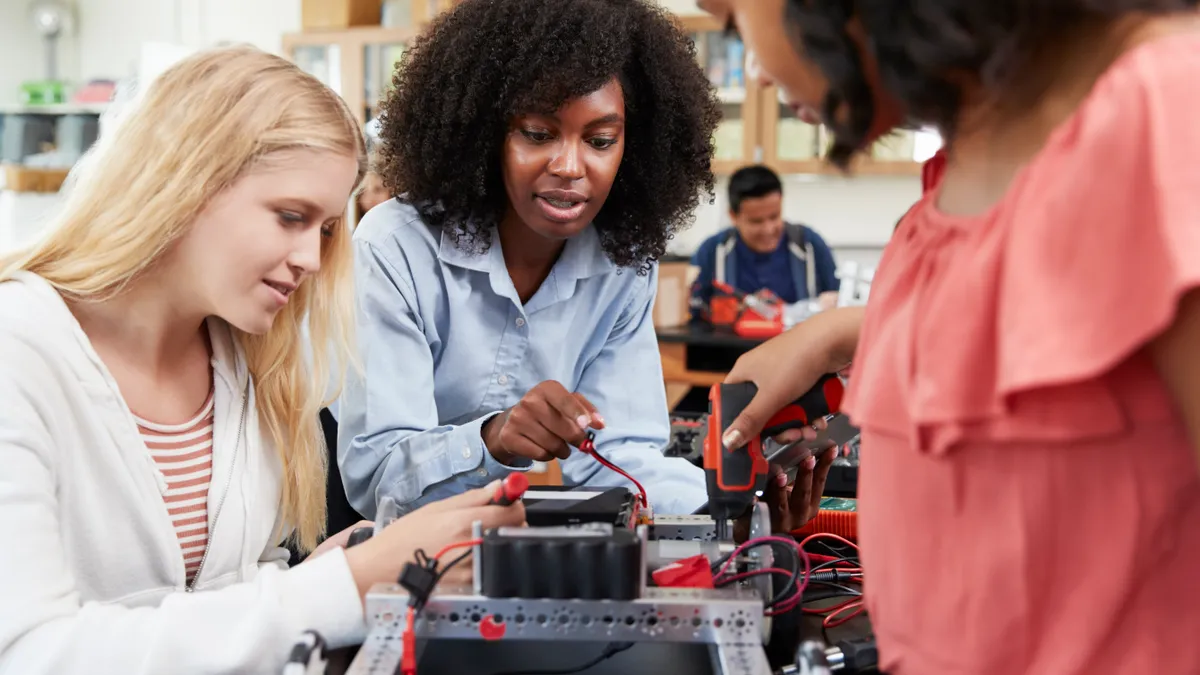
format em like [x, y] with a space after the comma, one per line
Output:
[762, 251]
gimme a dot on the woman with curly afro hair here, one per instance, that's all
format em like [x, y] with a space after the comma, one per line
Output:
[543, 153]
[1025, 374]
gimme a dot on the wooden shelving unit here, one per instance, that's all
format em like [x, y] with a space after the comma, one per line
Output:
[358, 64]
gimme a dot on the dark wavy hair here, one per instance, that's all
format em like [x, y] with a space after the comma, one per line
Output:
[925, 47]
[481, 64]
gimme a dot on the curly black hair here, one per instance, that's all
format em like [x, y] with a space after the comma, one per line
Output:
[485, 62]
[924, 47]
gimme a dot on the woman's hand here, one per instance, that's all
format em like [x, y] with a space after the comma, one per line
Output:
[785, 367]
[542, 425]
[430, 528]
[792, 504]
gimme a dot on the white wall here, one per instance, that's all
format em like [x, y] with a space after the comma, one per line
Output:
[112, 32]
[856, 216]
[22, 54]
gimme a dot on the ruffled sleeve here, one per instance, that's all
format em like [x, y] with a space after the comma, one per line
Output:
[1029, 323]
[1106, 239]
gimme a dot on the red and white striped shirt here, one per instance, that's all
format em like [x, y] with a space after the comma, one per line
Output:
[183, 453]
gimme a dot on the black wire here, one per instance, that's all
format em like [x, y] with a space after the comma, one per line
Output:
[793, 575]
[837, 553]
[610, 651]
[786, 592]
[830, 584]
[446, 568]
[834, 563]
[828, 595]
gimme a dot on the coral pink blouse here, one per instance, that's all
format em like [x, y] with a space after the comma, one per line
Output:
[1030, 501]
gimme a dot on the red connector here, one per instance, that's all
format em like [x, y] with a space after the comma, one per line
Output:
[510, 490]
[588, 447]
[408, 660]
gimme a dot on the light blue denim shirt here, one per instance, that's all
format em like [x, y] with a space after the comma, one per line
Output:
[446, 344]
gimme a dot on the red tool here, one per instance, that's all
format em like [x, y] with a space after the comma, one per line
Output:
[752, 315]
[735, 477]
[511, 489]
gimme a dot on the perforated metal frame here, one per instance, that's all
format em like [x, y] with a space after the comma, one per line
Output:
[683, 528]
[726, 660]
[730, 617]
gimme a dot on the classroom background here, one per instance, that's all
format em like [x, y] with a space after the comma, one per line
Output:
[62, 60]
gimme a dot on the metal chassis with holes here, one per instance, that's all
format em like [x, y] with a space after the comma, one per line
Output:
[730, 620]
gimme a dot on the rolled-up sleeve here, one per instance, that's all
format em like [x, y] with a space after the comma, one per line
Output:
[625, 383]
[390, 442]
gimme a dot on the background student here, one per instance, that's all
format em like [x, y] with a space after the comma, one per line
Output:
[762, 251]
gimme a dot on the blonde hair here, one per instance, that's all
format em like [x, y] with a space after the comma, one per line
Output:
[203, 124]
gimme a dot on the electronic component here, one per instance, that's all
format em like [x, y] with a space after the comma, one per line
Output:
[848, 657]
[594, 561]
[547, 506]
[687, 437]
[407, 624]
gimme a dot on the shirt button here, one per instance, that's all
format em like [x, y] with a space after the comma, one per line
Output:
[520, 322]
[481, 472]
[503, 379]
[467, 453]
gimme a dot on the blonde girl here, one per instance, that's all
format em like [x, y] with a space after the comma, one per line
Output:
[159, 431]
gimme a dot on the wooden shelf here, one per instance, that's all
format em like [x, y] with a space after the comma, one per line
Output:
[863, 167]
[19, 178]
[351, 45]
[362, 35]
[755, 106]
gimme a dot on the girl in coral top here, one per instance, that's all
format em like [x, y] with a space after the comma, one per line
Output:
[1027, 374]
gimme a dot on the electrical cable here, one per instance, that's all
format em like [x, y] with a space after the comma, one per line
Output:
[419, 579]
[588, 447]
[791, 574]
[840, 587]
[829, 574]
[610, 651]
[793, 590]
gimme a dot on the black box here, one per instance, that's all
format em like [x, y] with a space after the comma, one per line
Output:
[595, 561]
[550, 506]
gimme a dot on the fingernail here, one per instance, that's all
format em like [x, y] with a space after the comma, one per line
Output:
[781, 479]
[583, 421]
[732, 438]
[810, 463]
[598, 417]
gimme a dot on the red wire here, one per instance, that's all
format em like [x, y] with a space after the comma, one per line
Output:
[832, 609]
[589, 447]
[826, 535]
[801, 584]
[856, 603]
[408, 660]
[831, 622]
[461, 544]
[753, 573]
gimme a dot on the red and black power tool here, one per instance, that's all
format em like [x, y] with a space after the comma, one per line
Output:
[735, 477]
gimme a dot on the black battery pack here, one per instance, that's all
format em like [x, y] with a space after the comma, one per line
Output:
[594, 561]
[555, 506]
